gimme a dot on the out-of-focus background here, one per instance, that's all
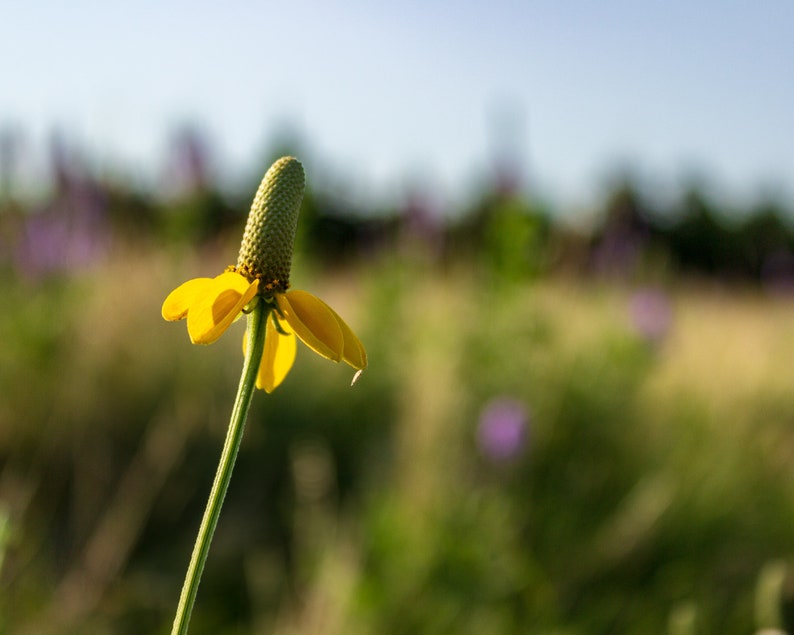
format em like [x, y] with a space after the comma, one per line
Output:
[565, 234]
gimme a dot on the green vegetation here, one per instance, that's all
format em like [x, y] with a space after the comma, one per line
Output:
[653, 486]
[535, 447]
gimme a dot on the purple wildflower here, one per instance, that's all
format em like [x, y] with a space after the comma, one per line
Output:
[651, 314]
[503, 429]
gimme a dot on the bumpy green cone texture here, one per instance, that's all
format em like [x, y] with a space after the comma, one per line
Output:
[266, 251]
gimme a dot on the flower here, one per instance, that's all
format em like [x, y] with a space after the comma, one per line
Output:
[262, 275]
[651, 314]
[503, 429]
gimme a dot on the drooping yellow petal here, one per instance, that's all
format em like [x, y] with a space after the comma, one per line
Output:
[176, 305]
[218, 306]
[313, 322]
[354, 353]
[277, 358]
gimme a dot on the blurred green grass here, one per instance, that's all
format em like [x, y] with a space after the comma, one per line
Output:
[653, 488]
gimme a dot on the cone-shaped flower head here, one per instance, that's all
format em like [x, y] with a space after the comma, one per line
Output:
[262, 275]
[266, 250]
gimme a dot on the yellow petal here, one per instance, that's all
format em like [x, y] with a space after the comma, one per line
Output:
[354, 353]
[217, 306]
[277, 358]
[176, 305]
[313, 322]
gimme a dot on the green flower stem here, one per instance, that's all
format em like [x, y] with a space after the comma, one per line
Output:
[254, 345]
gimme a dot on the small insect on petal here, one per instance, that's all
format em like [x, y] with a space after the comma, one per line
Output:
[176, 305]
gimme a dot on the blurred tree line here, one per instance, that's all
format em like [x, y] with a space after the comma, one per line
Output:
[78, 215]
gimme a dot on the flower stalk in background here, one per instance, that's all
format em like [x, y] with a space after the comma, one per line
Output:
[257, 286]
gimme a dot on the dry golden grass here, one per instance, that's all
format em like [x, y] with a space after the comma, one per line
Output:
[729, 349]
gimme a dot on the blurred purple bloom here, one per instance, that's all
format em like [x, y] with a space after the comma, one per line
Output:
[777, 272]
[68, 232]
[502, 433]
[651, 314]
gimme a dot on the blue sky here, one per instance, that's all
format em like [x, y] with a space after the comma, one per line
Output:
[385, 93]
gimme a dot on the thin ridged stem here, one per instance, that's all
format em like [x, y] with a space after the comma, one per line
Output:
[255, 335]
